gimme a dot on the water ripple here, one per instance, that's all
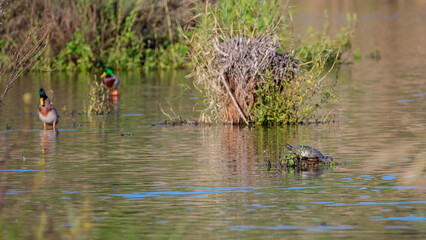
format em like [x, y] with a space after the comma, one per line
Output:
[291, 227]
[374, 203]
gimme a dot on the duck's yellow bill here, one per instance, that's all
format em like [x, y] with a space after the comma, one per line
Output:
[41, 102]
[103, 75]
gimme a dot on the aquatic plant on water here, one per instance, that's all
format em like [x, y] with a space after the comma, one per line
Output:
[99, 102]
[249, 65]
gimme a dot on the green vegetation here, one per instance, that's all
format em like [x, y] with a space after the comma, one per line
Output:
[246, 57]
[321, 45]
[295, 101]
[289, 160]
[144, 34]
[254, 70]
[286, 161]
[92, 34]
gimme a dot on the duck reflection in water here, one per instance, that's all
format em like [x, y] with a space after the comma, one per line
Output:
[48, 140]
[114, 100]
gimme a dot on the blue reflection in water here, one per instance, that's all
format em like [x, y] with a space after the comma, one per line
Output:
[397, 227]
[320, 202]
[291, 227]
[197, 196]
[142, 195]
[402, 187]
[99, 129]
[201, 193]
[389, 177]
[22, 130]
[374, 203]
[66, 191]
[212, 188]
[410, 218]
[12, 192]
[132, 114]
[312, 187]
[67, 130]
[260, 206]
[227, 188]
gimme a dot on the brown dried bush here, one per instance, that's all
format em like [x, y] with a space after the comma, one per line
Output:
[243, 60]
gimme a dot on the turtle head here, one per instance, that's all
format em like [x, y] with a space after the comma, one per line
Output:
[42, 95]
[327, 159]
[107, 72]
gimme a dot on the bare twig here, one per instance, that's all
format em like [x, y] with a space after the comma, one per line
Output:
[24, 57]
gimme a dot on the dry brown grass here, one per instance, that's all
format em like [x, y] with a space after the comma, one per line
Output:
[243, 62]
[236, 69]
[24, 57]
[246, 67]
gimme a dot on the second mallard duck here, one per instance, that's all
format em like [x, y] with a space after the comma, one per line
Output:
[46, 111]
[110, 81]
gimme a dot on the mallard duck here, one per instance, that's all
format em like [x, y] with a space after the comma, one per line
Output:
[46, 111]
[110, 81]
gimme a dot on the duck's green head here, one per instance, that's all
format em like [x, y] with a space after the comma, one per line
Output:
[107, 72]
[42, 95]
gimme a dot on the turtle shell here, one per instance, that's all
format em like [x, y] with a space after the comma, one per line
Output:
[308, 153]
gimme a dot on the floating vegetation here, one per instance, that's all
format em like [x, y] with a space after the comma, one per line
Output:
[376, 55]
[99, 102]
[180, 122]
[175, 119]
[288, 160]
[247, 62]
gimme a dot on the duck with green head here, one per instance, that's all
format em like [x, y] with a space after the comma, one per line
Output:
[110, 81]
[46, 111]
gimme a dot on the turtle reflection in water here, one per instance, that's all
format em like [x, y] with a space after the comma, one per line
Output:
[309, 154]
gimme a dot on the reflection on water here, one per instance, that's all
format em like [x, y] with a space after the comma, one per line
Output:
[48, 140]
[118, 176]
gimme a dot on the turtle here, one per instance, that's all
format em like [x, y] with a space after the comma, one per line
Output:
[304, 152]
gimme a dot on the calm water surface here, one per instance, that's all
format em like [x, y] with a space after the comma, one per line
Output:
[121, 177]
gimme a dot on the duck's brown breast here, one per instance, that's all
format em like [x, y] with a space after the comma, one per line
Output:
[44, 110]
[109, 81]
